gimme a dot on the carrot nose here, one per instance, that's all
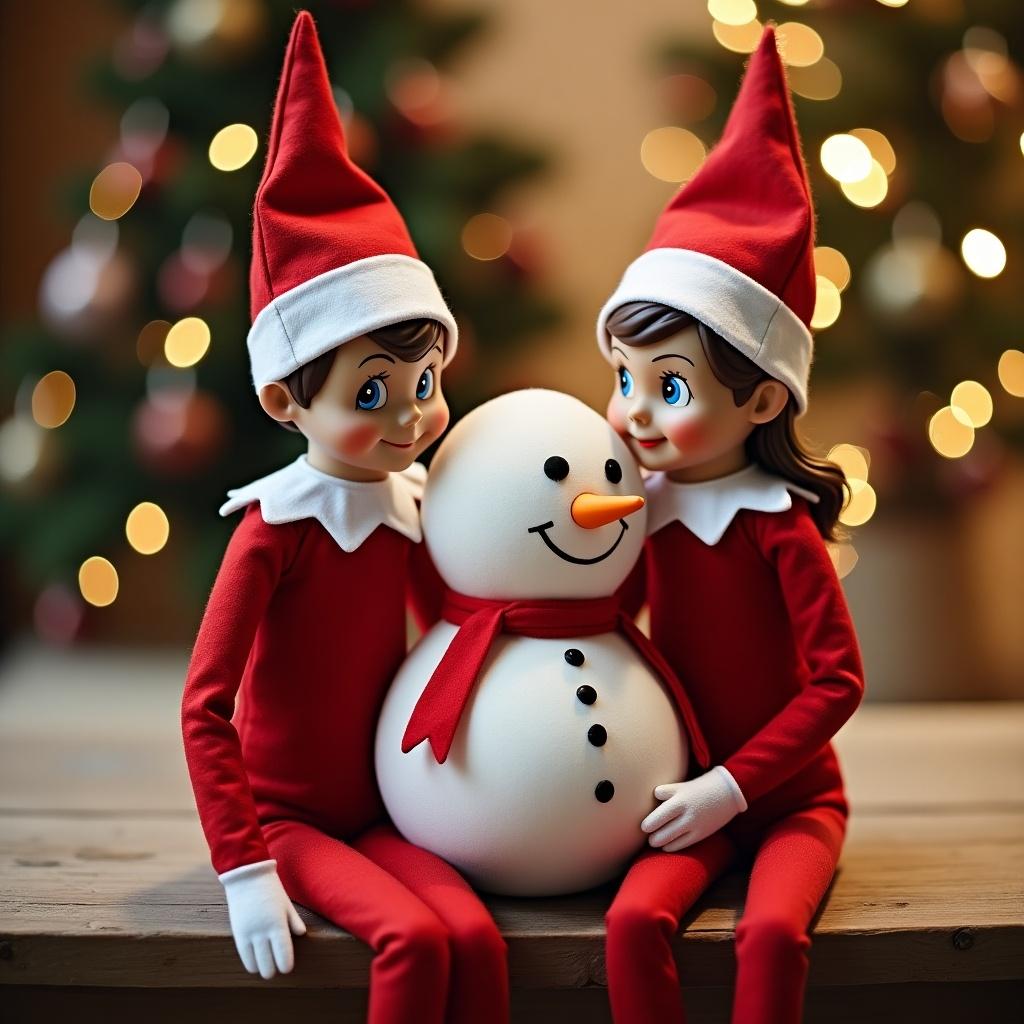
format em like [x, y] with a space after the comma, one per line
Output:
[593, 510]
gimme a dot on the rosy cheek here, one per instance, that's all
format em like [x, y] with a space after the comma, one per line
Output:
[616, 415]
[688, 434]
[435, 421]
[357, 438]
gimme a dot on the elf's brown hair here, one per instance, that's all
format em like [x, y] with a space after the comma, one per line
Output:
[408, 340]
[774, 446]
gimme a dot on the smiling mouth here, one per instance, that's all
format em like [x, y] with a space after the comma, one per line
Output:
[564, 555]
[395, 444]
[644, 443]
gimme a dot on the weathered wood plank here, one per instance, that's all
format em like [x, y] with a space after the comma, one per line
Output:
[97, 901]
[954, 1003]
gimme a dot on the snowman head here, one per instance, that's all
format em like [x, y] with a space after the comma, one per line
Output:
[533, 495]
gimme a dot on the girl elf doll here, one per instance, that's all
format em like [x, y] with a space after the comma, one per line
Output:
[306, 621]
[709, 340]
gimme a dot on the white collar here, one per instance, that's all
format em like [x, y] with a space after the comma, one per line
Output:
[348, 510]
[706, 509]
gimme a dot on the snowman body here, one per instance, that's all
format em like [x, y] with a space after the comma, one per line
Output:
[561, 742]
[552, 769]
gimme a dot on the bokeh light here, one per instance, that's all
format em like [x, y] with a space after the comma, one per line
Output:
[233, 147]
[851, 460]
[831, 263]
[98, 582]
[187, 342]
[732, 12]
[21, 448]
[879, 146]
[1011, 372]
[738, 38]
[846, 158]
[950, 433]
[827, 304]
[844, 558]
[983, 252]
[799, 45]
[861, 506]
[114, 190]
[974, 401]
[671, 154]
[869, 191]
[821, 81]
[53, 399]
[147, 528]
[486, 236]
[149, 345]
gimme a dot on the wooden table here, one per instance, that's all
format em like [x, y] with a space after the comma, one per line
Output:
[109, 909]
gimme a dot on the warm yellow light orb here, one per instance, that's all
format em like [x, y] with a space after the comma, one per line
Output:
[147, 528]
[951, 434]
[827, 304]
[821, 81]
[894, 3]
[738, 38]
[880, 147]
[851, 460]
[98, 582]
[861, 506]
[486, 236]
[732, 12]
[799, 45]
[114, 190]
[869, 191]
[187, 342]
[974, 401]
[983, 252]
[831, 263]
[233, 147]
[671, 154]
[844, 558]
[1011, 372]
[846, 158]
[53, 399]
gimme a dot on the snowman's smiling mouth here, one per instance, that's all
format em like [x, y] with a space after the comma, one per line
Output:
[542, 529]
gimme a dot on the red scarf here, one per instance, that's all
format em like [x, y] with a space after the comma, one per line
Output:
[439, 709]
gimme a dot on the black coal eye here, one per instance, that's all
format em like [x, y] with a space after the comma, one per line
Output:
[613, 471]
[556, 468]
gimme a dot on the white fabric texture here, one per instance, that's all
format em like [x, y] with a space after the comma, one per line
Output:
[692, 811]
[262, 917]
[743, 312]
[348, 510]
[706, 509]
[342, 304]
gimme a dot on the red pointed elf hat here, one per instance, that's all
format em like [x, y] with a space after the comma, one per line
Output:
[735, 247]
[332, 257]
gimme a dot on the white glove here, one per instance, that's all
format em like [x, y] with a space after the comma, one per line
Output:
[693, 810]
[262, 918]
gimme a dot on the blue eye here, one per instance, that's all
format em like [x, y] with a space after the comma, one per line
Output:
[675, 390]
[625, 382]
[373, 394]
[425, 385]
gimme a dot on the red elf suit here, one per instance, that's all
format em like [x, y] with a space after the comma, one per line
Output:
[306, 621]
[745, 604]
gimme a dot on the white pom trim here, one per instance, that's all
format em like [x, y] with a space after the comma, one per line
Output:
[745, 313]
[332, 308]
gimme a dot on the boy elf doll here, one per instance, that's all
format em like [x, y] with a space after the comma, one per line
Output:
[306, 621]
[708, 336]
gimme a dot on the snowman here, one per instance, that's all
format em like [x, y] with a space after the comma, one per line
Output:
[524, 735]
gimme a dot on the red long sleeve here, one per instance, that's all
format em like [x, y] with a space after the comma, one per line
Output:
[253, 563]
[825, 643]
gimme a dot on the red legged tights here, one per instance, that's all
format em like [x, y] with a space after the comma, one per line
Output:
[793, 867]
[438, 955]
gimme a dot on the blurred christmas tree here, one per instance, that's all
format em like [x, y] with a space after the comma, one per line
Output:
[911, 115]
[131, 409]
